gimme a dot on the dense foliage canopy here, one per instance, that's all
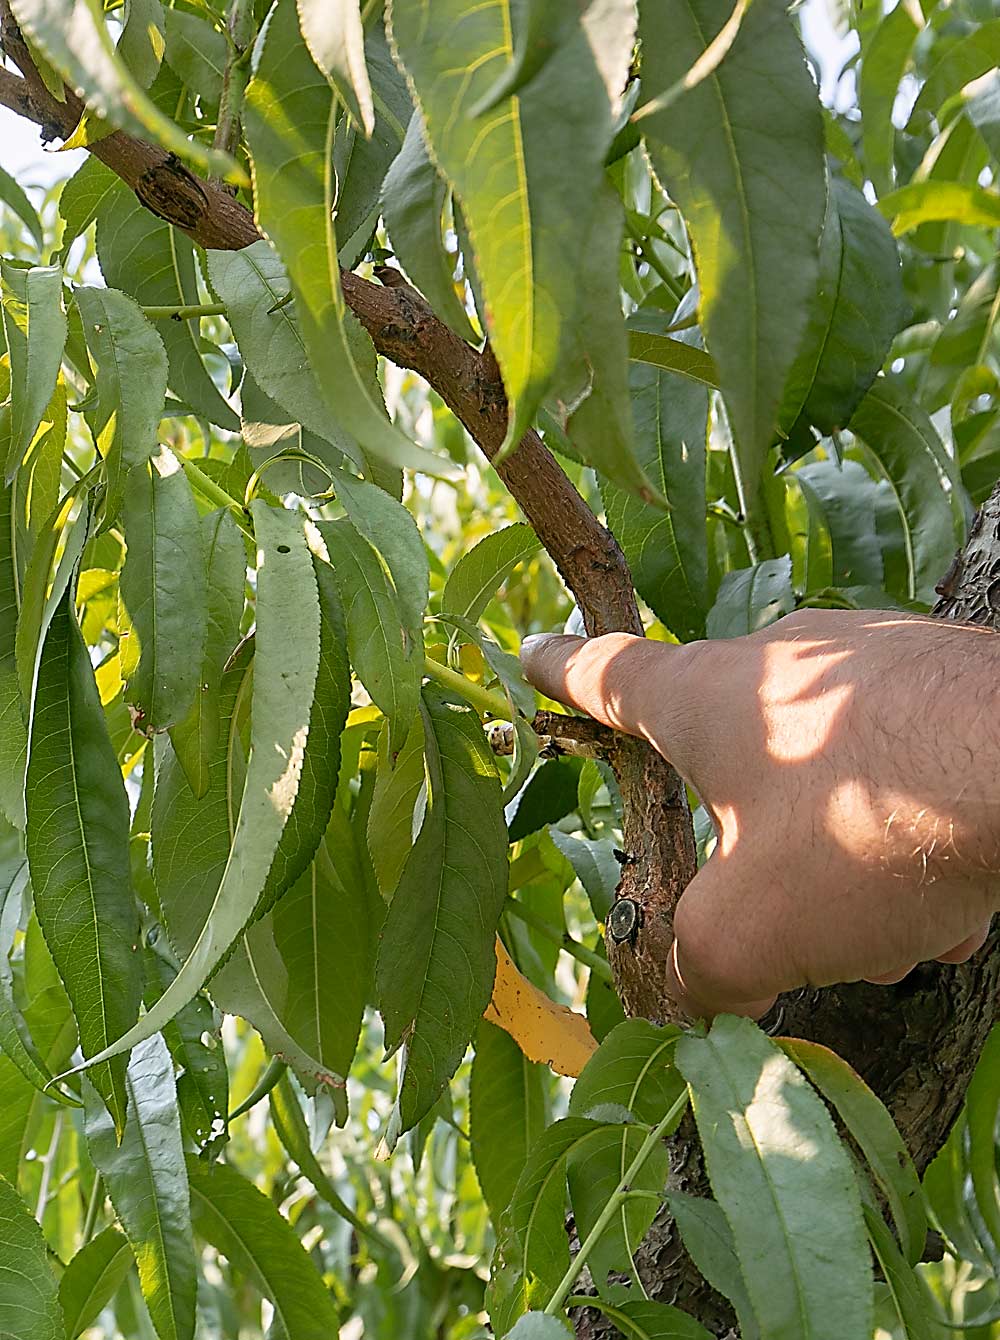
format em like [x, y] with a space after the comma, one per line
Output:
[296, 958]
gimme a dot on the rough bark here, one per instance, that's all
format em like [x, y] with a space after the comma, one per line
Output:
[916, 1043]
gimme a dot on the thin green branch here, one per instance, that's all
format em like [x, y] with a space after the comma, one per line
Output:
[486, 702]
[184, 313]
[614, 1202]
[215, 493]
[240, 32]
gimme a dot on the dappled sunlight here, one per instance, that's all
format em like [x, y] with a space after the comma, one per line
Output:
[769, 1114]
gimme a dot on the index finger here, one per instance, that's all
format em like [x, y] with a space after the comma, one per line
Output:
[617, 679]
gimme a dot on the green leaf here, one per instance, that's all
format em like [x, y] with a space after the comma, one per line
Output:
[399, 780]
[538, 1326]
[240, 1221]
[436, 959]
[252, 283]
[292, 1131]
[910, 1296]
[360, 164]
[662, 351]
[203, 1079]
[12, 195]
[163, 585]
[29, 1305]
[385, 657]
[83, 196]
[41, 592]
[982, 105]
[982, 1105]
[595, 866]
[73, 37]
[392, 532]
[962, 61]
[506, 1114]
[924, 479]
[320, 755]
[13, 735]
[645, 1320]
[15, 1039]
[667, 552]
[930, 201]
[289, 117]
[872, 1127]
[92, 1279]
[708, 1239]
[858, 309]
[131, 383]
[482, 570]
[195, 738]
[884, 61]
[773, 1156]
[631, 1071]
[533, 1251]
[335, 37]
[35, 328]
[528, 174]
[751, 598]
[140, 46]
[154, 263]
[754, 217]
[146, 1179]
[285, 667]
[196, 52]
[945, 1184]
[550, 795]
[77, 845]
[281, 979]
[413, 200]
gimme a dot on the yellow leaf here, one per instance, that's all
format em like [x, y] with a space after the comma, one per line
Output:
[545, 1031]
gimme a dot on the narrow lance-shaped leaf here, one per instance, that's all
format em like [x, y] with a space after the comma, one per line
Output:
[289, 117]
[153, 262]
[709, 1241]
[773, 1155]
[285, 666]
[667, 551]
[13, 196]
[335, 37]
[392, 815]
[924, 479]
[857, 310]
[982, 1108]
[146, 1179]
[754, 217]
[643, 1319]
[77, 844]
[506, 1114]
[252, 284]
[529, 175]
[483, 569]
[163, 585]
[413, 199]
[883, 63]
[92, 1278]
[195, 737]
[436, 960]
[385, 657]
[872, 1127]
[243, 1224]
[29, 1304]
[73, 36]
[131, 382]
[35, 328]
[13, 736]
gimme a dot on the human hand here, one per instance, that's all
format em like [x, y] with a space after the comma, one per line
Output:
[851, 764]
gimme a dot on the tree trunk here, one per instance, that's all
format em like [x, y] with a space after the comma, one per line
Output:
[916, 1043]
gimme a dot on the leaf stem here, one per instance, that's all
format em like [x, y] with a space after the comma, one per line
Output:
[185, 312]
[215, 493]
[597, 965]
[93, 1205]
[485, 701]
[558, 1299]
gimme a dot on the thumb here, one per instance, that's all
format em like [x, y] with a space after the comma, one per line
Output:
[621, 680]
[727, 956]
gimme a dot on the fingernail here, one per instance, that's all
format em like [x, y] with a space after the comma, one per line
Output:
[534, 642]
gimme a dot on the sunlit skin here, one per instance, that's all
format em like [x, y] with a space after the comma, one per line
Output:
[851, 764]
